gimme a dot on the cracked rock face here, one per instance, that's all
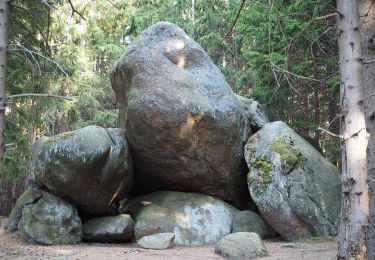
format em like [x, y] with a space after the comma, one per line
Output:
[295, 188]
[91, 167]
[184, 124]
[43, 218]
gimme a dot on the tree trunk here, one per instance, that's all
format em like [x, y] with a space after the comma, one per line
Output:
[4, 22]
[353, 231]
[367, 20]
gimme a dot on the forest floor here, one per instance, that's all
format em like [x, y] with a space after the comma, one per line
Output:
[12, 247]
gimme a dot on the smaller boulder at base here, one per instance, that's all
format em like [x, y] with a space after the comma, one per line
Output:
[91, 167]
[109, 229]
[241, 245]
[31, 195]
[295, 188]
[248, 221]
[50, 221]
[195, 219]
[157, 241]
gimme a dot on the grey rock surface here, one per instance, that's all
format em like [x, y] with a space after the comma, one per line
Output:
[184, 124]
[295, 188]
[195, 219]
[30, 196]
[241, 245]
[50, 220]
[254, 111]
[248, 221]
[91, 167]
[108, 229]
[157, 241]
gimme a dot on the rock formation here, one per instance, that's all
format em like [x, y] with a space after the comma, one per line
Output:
[184, 124]
[295, 188]
[91, 167]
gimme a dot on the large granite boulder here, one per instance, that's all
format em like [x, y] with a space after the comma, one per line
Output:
[40, 217]
[254, 111]
[241, 245]
[91, 167]
[109, 229]
[195, 219]
[248, 221]
[295, 188]
[184, 124]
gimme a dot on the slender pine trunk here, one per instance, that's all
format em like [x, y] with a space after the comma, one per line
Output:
[4, 23]
[353, 231]
[367, 22]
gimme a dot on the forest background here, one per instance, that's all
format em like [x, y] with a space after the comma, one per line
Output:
[282, 53]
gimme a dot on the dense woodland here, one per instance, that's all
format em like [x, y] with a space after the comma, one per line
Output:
[285, 54]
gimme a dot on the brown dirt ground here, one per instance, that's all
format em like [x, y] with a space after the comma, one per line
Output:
[12, 247]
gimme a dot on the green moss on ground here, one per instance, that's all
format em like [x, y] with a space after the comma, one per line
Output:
[316, 239]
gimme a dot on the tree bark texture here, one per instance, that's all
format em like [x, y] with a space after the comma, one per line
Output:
[4, 23]
[367, 29]
[352, 242]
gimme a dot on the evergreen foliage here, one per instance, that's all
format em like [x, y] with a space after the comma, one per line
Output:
[281, 54]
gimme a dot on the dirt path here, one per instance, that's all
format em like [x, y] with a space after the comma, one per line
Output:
[12, 247]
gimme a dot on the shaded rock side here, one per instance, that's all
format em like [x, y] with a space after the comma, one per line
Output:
[185, 126]
[91, 167]
[49, 220]
[241, 245]
[30, 196]
[109, 229]
[254, 111]
[195, 219]
[295, 188]
[157, 241]
[248, 221]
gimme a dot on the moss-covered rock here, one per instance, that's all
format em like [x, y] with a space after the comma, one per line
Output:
[195, 219]
[30, 196]
[241, 245]
[49, 221]
[91, 167]
[295, 188]
[248, 221]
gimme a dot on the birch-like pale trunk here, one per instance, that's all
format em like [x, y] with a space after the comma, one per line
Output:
[353, 232]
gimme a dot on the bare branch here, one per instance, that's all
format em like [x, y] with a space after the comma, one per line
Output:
[118, 8]
[47, 3]
[353, 135]
[38, 95]
[291, 73]
[35, 23]
[363, 99]
[330, 133]
[23, 48]
[368, 61]
[75, 10]
[325, 17]
[235, 19]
